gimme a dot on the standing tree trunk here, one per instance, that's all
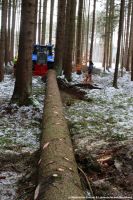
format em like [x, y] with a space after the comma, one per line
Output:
[127, 36]
[8, 35]
[112, 30]
[130, 42]
[83, 38]
[87, 32]
[39, 23]
[44, 21]
[105, 37]
[2, 39]
[60, 36]
[69, 38]
[93, 30]
[35, 20]
[79, 36]
[51, 21]
[108, 36]
[13, 27]
[23, 85]
[121, 21]
[132, 64]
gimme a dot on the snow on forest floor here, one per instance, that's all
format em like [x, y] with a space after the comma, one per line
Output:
[101, 128]
[19, 137]
[108, 112]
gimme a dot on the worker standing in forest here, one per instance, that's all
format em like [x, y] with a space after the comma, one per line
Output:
[89, 74]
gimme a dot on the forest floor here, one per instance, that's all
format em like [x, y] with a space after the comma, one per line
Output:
[101, 129]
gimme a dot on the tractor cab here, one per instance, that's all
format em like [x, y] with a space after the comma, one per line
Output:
[50, 56]
[42, 59]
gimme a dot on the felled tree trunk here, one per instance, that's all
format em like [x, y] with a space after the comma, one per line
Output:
[58, 175]
[75, 90]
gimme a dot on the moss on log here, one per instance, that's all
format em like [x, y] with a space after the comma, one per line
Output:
[58, 174]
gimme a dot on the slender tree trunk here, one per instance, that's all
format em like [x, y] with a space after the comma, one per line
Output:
[2, 39]
[39, 23]
[83, 36]
[66, 34]
[79, 36]
[127, 35]
[93, 30]
[35, 20]
[121, 20]
[23, 85]
[132, 64]
[60, 35]
[123, 44]
[8, 35]
[69, 40]
[87, 32]
[110, 34]
[122, 54]
[130, 42]
[13, 28]
[112, 30]
[44, 21]
[105, 37]
[51, 21]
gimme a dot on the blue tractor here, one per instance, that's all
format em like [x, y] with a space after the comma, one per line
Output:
[42, 59]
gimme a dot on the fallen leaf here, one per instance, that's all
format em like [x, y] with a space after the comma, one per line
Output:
[66, 158]
[60, 169]
[55, 175]
[104, 159]
[46, 145]
[70, 169]
[57, 123]
[55, 112]
[39, 161]
[36, 192]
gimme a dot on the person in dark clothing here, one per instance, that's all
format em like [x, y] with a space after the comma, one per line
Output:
[90, 70]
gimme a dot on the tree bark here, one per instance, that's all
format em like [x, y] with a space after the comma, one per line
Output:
[132, 64]
[105, 37]
[87, 32]
[130, 41]
[23, 85]
[13, 27]
[79, 33]
[60, 36]
[121, 20]
[8, 35]
[127, 35]
[58, 175]
[93, 30]
[69, 38]
[112, 30]
[51, 21]
[44, 21]
[2, 39]
[35, 20]
[39, 23]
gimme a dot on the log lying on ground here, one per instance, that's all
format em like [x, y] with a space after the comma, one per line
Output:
[75, 89]
[58, 175]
